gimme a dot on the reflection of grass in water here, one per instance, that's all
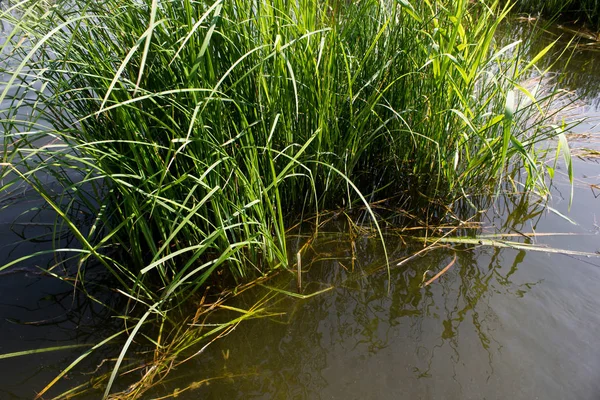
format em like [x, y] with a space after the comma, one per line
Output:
[577, 72]
[586, 153]
[360, 316]
[468, 283]
[66, 317]
[475, 285]
[468, 286]
[584, 11]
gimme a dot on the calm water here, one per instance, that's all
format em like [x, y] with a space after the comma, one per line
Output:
[501, 323]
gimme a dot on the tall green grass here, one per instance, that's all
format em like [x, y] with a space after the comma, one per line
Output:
[196, 132]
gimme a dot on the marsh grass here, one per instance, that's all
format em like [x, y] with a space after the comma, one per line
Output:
[193, 134]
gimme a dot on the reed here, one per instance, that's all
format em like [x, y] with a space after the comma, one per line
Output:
[192, 134]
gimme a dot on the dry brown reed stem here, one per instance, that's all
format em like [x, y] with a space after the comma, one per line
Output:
[435, 242]
[442, 272]
[299, 268]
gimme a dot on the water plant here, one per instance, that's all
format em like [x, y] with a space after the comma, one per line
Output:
[177, 141]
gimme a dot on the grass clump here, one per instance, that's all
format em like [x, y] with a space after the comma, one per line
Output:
[194, 133]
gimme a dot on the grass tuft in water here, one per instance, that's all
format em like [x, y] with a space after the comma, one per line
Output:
[177, 141]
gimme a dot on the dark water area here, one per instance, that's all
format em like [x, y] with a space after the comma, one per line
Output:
[40, 311]
[500, 323]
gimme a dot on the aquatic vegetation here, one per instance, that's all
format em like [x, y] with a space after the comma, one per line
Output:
[177, 141]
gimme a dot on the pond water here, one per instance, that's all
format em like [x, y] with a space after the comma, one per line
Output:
[500, 323]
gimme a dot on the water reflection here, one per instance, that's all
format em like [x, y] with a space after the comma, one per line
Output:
[37, 310]
[574, 60]
[500, 323]
[345, 342]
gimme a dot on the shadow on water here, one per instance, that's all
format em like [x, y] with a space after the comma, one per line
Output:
[39, 311]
